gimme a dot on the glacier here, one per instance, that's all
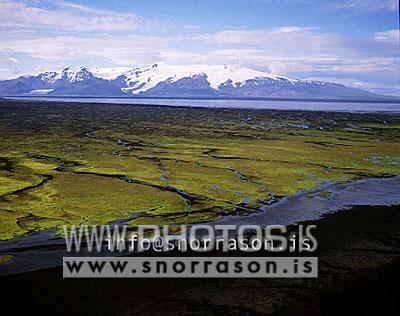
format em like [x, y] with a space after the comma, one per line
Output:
[175, 81]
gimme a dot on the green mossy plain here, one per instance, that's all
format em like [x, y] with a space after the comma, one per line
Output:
[70, 163]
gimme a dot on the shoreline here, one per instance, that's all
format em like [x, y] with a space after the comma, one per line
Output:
[359, 261]
[393, 107]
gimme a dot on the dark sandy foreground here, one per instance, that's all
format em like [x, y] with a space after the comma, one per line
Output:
[359, 253]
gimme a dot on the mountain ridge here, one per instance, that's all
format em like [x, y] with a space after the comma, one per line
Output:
[161, 80]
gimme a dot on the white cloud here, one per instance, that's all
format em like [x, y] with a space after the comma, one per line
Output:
[132, 49]
[359, 5]
[9, 61]
[289, 40]
[65, 16]
[388, 36]
[368, 5]
[293, 41]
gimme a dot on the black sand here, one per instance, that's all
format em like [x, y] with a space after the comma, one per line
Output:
[359, 258]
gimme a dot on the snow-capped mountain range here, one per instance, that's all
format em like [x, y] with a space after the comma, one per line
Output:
[162, 80]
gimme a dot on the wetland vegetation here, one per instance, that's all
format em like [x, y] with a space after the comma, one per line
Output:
[75, 163]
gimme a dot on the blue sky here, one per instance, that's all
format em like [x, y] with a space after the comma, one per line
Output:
[355, 42]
